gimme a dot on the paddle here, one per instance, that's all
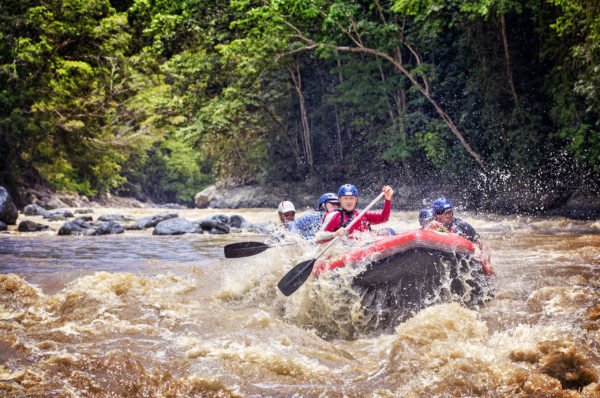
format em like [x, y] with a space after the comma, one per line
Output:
[245, 249]
[300, 273]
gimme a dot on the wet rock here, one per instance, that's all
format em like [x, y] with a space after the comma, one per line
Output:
[214, 227]
[108, 228]
[222, 218]
[35, 210]
[114, 217]
[74, 227]
[3, 226]
[8, 210]
[176, 226]
[58, 215]
[222, 223]
[31, 226]
[237, 221]
[150, 222]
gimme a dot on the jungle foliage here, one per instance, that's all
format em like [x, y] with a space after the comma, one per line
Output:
[157, 99]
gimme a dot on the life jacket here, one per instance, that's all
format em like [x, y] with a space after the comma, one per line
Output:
[348, 221]
[464, 229]
[350, 218]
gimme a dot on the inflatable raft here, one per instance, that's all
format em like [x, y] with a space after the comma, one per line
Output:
[399, 275]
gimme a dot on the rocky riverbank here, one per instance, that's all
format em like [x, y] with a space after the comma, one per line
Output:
[515, 198]
[506, 197]
[69, 214]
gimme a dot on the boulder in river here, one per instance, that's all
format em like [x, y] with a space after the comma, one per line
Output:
[223, 224]
[114, 217]
[35, 210]
[176, 226]
[214, 227]
[152, 221]
[8, 210]
[75, 227]
[58, 215]
[31, 226]
[238, 221]
[108, 228]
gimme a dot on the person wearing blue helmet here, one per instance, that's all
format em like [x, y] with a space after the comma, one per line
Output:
[328, 202]
[386, 231]
[444, 217]
[445, 221]
[308, 224]
[336, 222]
[425, 217]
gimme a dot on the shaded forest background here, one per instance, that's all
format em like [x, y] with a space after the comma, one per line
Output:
[157, 99]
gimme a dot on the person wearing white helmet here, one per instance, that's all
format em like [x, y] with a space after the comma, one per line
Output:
[286, 212]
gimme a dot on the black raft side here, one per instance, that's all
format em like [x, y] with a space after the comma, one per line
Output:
[408, 264]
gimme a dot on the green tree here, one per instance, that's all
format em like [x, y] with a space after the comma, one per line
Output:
[206, 101]
[65, 75]
[575, 80]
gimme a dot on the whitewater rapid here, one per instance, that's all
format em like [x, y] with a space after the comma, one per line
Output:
[137, 315]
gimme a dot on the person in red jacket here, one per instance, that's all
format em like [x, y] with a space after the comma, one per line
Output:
[336, 222]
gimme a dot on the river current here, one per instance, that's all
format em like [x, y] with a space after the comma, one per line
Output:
[137, 315]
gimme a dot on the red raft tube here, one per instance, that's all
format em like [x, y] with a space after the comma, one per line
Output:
[422, 241]
[415, 269]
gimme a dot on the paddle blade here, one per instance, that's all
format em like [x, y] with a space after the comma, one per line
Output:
[244, 249]
[296, 277]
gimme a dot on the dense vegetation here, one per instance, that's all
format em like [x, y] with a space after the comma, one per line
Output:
[159, 98]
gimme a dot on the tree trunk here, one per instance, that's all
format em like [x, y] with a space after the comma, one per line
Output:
[338, 130]
[284, 132]
[341, 80]
[425, 91]
[509, 74]
[423, 88]
[304, 124]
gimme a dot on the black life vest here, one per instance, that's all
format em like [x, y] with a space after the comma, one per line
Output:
[349, 220]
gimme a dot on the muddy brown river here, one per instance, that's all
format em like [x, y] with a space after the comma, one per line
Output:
[137, 315]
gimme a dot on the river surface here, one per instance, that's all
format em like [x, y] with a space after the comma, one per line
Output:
[137, 315]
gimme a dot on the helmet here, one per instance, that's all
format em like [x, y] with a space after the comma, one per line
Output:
[425, 215]
[286, 206]
[348, 190]
[387, 231]
[327, 197]
[440, 205]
